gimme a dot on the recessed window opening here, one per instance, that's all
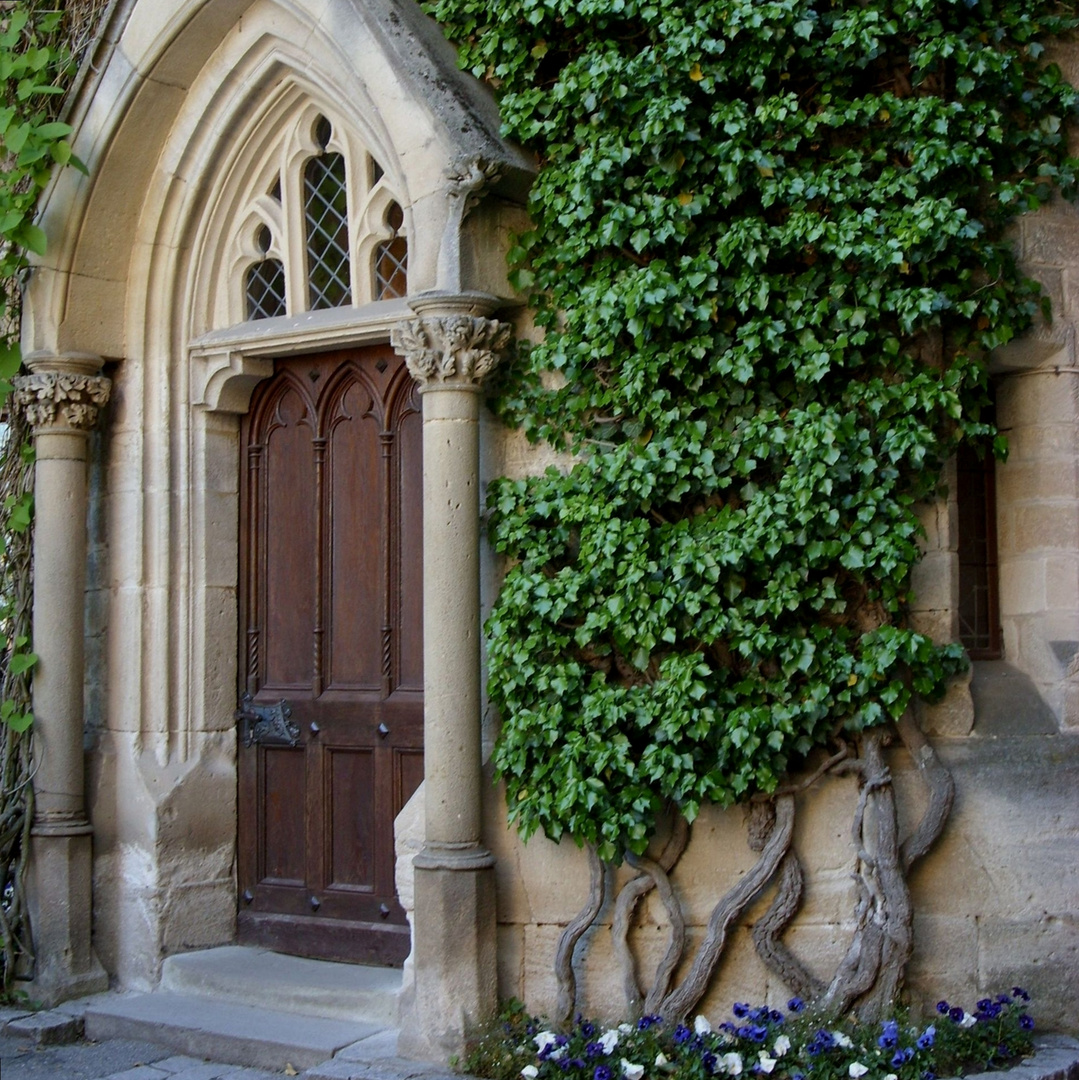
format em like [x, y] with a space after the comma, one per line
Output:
[979, 589]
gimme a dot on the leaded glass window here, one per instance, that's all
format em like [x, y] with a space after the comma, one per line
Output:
[326, 216]
[391, 259]
[324, 229]
[265, 284]
[266, 289]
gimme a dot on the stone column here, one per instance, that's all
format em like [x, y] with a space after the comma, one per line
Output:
[61, 399]
[449, 349]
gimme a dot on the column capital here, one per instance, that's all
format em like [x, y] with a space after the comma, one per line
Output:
[61, 398]
[452, 345]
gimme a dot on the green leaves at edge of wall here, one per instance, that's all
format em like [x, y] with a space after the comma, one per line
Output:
[35, 68]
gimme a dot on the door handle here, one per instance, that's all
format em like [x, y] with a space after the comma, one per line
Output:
[266, 725]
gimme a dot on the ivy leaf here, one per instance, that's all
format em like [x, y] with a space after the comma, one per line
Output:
[34, 238]
[21, 662]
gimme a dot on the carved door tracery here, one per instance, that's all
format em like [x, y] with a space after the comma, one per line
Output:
[331, 624]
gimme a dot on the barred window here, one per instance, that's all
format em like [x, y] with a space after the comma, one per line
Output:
[979, 599]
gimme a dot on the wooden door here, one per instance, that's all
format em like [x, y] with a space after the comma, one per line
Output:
[331, 624]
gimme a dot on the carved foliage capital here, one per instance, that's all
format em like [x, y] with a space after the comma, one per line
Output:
[61, 399]
[452, 350]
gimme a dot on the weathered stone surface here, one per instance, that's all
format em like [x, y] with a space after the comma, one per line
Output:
[954, 714]
[222, 1031]
[47, 1028]
[9, 1013]
[244, 975]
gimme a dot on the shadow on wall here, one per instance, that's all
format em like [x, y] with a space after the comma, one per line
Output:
[1006, 702]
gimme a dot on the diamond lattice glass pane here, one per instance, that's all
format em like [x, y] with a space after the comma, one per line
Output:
[266, 289]
[391, 269]
[327, 232]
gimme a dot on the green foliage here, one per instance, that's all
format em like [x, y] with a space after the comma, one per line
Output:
[768, 261]
[760, 1041]
[35, 65]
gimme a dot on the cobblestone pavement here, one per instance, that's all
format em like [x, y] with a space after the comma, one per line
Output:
[113, 1059]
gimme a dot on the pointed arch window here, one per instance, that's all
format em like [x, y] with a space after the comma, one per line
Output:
[328, 231]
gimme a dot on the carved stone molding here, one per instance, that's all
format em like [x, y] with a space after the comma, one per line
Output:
[467, 181]
[61, 399]
[454, 351]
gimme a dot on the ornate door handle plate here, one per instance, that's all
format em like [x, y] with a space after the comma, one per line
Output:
[266, 725]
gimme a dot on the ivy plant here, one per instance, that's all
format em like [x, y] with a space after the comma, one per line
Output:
[768, 261]
[36, 65]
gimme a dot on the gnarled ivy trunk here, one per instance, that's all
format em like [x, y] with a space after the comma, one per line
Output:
[869, 977]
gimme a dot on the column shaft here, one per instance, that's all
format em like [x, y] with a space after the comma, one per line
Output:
[59, 588]
[61, 399]
[451, 612]
[449, 352]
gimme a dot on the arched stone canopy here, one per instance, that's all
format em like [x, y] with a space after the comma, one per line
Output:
[178, 119]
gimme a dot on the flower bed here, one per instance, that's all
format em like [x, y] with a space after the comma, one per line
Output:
[763, 1041]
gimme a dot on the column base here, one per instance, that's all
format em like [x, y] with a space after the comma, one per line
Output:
[59, 900]
[454, 955]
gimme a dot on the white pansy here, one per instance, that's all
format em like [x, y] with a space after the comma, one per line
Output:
[631, 1071]
[701, 1025]
[661, 1059]
[891, 1076]
[857, 1069]
[767, 1064]
[625, 1028]
[782, 1045]
[608, 1040]
[967, 1021]
[544, 1039]
[842, 1040]
[559, 1054]
[732, 1063]
[530, 1072]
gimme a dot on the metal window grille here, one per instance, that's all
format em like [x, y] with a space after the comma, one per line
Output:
[266, 289]
[326, 213]
[979, 599]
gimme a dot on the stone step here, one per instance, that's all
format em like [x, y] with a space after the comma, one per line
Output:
[253, 976]
[225, 1031]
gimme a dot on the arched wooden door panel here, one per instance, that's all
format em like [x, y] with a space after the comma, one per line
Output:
[331, 624]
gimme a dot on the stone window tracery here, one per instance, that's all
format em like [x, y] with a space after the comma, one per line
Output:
[328, 232]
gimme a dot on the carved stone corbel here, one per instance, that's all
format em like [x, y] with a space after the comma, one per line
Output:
[466, 183]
